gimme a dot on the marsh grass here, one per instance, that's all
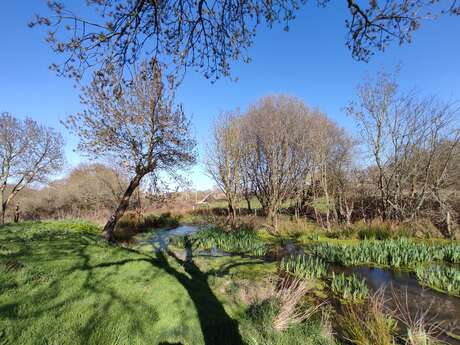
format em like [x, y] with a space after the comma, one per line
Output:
[303, 266]
[419, 329]
[349, 287]
[440, 277]
[241, 241]
[366, 323]
[284, 317]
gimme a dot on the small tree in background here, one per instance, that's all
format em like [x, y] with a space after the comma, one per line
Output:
[224, 159]
[29, 152]
[136, 124]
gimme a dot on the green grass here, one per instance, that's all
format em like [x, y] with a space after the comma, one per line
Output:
[60, 284]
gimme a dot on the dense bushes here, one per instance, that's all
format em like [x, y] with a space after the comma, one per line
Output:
[132, 223]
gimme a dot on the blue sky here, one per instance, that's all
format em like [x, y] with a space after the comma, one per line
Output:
[310, 61]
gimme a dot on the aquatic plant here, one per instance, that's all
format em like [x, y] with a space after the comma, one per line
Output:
[440, 277]
[399, 253]
[304, 266]
[349, 287]
[235, 242]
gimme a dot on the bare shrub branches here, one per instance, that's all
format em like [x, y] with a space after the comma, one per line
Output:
[413, 143]
[29, 152]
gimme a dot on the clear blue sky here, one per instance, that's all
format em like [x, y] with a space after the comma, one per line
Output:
[310, 61]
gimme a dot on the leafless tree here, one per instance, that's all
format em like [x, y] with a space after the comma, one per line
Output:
[276, 132]
[412, 141]
[225, 157]
[29, 152]
[137, 125]
[331, 151]
[209, 34]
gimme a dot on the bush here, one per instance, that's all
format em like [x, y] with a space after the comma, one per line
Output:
[133, 223]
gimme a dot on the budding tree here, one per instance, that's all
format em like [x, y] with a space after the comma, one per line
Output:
[136, 124]
[29, 152]
[224, 158]
[276, 132]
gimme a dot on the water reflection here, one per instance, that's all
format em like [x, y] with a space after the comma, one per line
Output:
[440, 308]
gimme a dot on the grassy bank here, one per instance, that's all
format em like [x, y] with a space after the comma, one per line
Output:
[60, 284]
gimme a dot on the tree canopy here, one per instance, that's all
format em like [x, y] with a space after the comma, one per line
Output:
[207, 35]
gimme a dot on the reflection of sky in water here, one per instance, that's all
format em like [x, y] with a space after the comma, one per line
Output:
[160, 239]
[441, 307]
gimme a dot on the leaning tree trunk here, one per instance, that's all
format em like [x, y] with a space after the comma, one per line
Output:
[109, 227]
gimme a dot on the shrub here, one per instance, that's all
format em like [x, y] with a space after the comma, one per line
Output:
[375, 232]
[133, 223]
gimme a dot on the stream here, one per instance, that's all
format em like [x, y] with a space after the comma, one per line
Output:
[437, 308]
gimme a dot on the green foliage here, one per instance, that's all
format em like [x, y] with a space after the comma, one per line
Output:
[440, 277]
[235, 242]
[394, 253]
[61, 284]
[349, 287]
[304, 266]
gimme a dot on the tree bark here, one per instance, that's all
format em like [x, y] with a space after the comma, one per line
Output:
[17, 214]
[109, 227]
[3, 212]
[231, 214]
[248, 201]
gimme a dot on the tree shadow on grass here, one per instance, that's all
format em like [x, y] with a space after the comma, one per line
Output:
[216, 325]
[43, 249]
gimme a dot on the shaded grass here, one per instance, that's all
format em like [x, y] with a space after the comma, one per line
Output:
[69, 287]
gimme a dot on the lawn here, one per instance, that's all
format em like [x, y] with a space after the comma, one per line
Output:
[61, 284]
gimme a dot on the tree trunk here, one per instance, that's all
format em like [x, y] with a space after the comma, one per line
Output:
[273, 219]
[3, 212]
[109, 227]
[16, 214]
[248, 201]
[231, 214]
